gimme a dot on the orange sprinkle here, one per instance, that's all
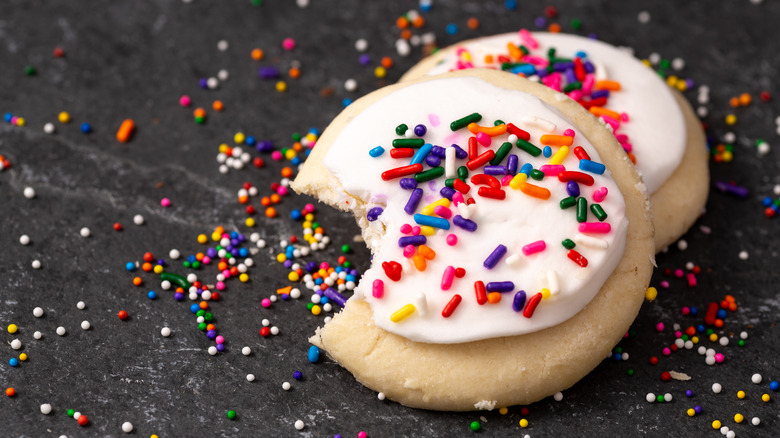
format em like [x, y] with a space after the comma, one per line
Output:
[734, 102]
[294, 72]
[265, 201]
[514, 51]
[419, 262]
[730, 298]
[472, 23]
[744, 99]
[257, 54]
[218, 105]
[199, 112]
[557, 140]
[319, 230]
[733, 306]
[632, 157]
[554, 28]
[275, 198]
[243, 199]
[287, 172]
[137, 281]
[220, 229]
[426, 252]
[210, 326]
[146, 267]
[297, 146]
[406, 34]
[199, 256]
[418, 21]
[488, 59]
[387, 62]
[494, 297]
[491, 131]
[608, 85]
[535, 191]
[718, 323]
[270, 212]
[125, 130]
[284, 290]
[402, 22]
[601, 111]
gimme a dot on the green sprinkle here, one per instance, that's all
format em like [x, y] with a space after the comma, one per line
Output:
[296, 136]
[630, 371]
[528, 147]
[498, 122]
[345, 249]
[309, 305]
[71, 412]
[684, 337]
[599, 212]
[619, 350]
[501, 153]
[659, 398]
[537, 174]
[200, 312]
[568, 244]
[429, 174]
[475, 426]
[576, 24]
[195, 264]
[347, 264]
[551, 53]
[408, 142]
[569, 202]
[208, 317]
[202, 326]
[257, 2]
[450, 182]
[29, 70]
[582, 209]
[401, 129]
[177, 279]
[665, 64]
[463, 122]
[741, 343]
[200, 120]
[186, 264]
[523, 49]
[231, 415]
[576, 85]
[463, 172]
[315, 225]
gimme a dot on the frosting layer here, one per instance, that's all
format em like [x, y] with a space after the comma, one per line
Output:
[529, 228]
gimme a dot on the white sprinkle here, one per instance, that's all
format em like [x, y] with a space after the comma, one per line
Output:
[743, 335]
[286, 386]
[724, 430]
[763, 148]
[755, 421]
[650, 397]
[350, 85]
[16, 344]
[165, 332]
[361, 45]
[85, 325]
[302, 3]
[643, 17]
[702, 111]
[76, 415]
[558, 396]
[667, 397]
[37, 335]
[295, 293]
[250, 377]
[743, 255]
[682, 244]
[716, 388]
[710, 360]
[61, 331]
[731, 434]
[223, 75]
[299, 424]
[654, 58]
[174, 254]
[222, 45]
[678, 64]
[45, 409]
[24, 239]
[29, 192]
[138, 219]
[265, 322]
[127, 427]
[81, 305]
[261, 243]
[48, 128]
[402, 47]
[381, 396]
[729, 137]
[212, 350]
[36, 264]
[37, 312]
[756, 378]
[246, 351]
[212, 83]
[84, 232]
[192, 278]
[165, 285]
[274, 330]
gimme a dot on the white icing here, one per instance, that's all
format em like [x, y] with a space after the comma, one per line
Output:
[516, 221]
[656, 127]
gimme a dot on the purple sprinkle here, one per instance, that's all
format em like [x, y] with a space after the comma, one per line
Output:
[220, 347]
[495, 170]
[589, 67]
[599, 93]
[492, 260]
[542, 72]
[466, 224]
[570, 76]
[285, 297]
[268, 72]
[287, 263]
[562, 66]
[432, 160]
[408, 183]
[689, 393]
[500, 286]
[439, 152]
[203, 83]
[511, 164]
[265, 146]
[374, 213]
[540, 22]
[178, 296]
[336, 297]
[420, 130]
[447, 192]
[732, 189]
[311, 266]
[364, 59]
[697, 409]
[573, 189]
[459, 152]
[211, 334]
[412, 240]
[414, 201]
[211, 252]
[519, 301]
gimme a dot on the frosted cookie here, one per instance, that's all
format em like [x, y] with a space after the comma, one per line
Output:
[655, 124]
[511, 239]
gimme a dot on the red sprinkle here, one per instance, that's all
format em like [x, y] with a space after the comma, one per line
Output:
[392, 270]
[489, 192]
[577, 258]
[122, 315]
[666, 376]
[653, 360]
[479, 289]
[117, 226]
[473, 148]
[573, 175]
[451, 306]
[712, 312]
[518, 132]
[402, 171]
[531, 306]
[402, 153]
[265, 332]
[461, 186]
[479, 160]
[580, 153]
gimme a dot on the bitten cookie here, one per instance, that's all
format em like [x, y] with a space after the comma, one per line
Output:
[511, 240]
[659, 130]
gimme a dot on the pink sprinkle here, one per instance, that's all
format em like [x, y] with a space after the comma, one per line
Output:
[308, 208]
[506, 180]
[528, 39]
[624, 117]
[691, 279]
[666, 351]
[452, 239]
[265, 303]
[678, 334]
[719, 357]
[483, 139]
[378, 288]
[587, 84]
[406, 229]
[460, 50]
[415, 230]
[206, 260]
[552, 169]
[226, 273]
[600, 194]
[434, 119]
[664, 284]
[185, 101]
[678, 273]
[220, 285]
[288, 44]
[628, 147]
[276, 155]
[457, 198]
[594, 227]
[446, 278]
[534, 247]
[220, 339]
[536, 60]
[569, 133]
[442, 211]
[281, 190]
[324, 265]
[576, 95]
[622, 138]
[409, 251]
[686, 310]
[659, 327]
[14, 120]
[612, 122]
[362, 434]
[165, 202]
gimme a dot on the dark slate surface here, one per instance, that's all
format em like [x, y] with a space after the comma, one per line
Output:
[134, 60]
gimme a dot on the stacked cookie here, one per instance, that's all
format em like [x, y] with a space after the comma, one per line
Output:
[512, 236]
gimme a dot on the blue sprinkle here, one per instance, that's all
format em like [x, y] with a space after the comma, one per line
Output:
[547, 151]
[510, 4]
[86, 128]
[13, 362]
[7, 117]
[346, 102]
[314, 354]
[592, 167]
[452, 29]
[130, 266]
[377, 151]
[774, 386]
[250, 141]
[194, 308]
[152, 295]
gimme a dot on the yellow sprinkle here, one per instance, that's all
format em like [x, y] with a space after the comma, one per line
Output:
[713, 337]
[765, 398]
[290, 154]
[281, 258]
[224, 148]
[12, 328]
[216, 236]
[518, 181]
[651, 293]
[695, 339]
[523, 423]
[691, 412]
[239, 138]
[671, 80]
[716, 424]
[309, 217]
[158, 269]
[559, 156]
[545, 293]
[426, 230]
[740, 394]
[315, 309]
[428, 209]
[23, 357]
[402, 313]
[647, 63]
[731, 119]
[293, 276]
[20, 121]
[738, 418]
[503, 411]
[380, 72]
[250, 222]
[244, 277]
[281, 86]
[64, 117]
